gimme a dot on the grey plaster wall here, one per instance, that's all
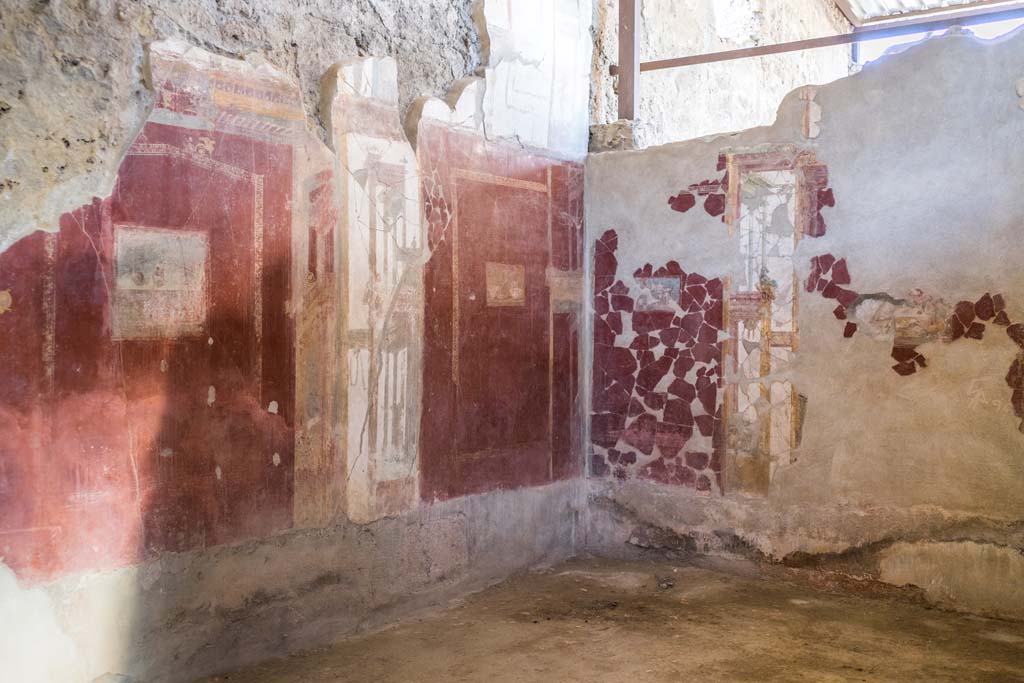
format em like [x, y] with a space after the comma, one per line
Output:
[71, 75]
[679, 104]
[924, 151]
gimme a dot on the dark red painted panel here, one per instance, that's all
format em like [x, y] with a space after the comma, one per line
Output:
[114, 446]
[499, 361]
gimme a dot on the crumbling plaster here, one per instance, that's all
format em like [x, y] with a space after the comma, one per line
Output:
[72, 76]
[689, 102]
[923, 155]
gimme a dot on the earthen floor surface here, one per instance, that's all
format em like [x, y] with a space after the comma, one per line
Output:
[601, 620]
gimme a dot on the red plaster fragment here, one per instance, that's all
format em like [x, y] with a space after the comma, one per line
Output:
[714, 315]
[956, 328]
[640, 434]
[621, 302]
[678, 412]
[682, 202]
[671, 439]
[655, 400]
[708, 398]
[609, 240]
[812, 280]
[620, 363]
[605, 264]
[706, 353]
[636, 408]
[1018, 402]
[698, 292]
[1016, 333]
[850, 330]
[965, 312]
[651, 321]
[840, 273]
[698, 461]
[1015, 377]
[614, 399]
[818, 227]
[683, 390]
[707, 334]
[905, 369]
[673, 268]
[831, 290]
[904, 354]
[598, 465]
[614, 321]
[653, 373]
[715, 204]
[691, 324]
[846, 297]
[826, 197]
[606, 428]
[706, 424]
[985, 307]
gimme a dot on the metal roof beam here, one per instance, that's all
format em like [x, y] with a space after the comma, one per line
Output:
[888, 30]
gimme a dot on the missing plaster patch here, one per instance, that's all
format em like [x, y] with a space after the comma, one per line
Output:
[272, 408]
[1020, 93]
[812, 112]
[5, 301]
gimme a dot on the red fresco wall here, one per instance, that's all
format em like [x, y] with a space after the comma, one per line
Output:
[140, 355]
[654, 395]
[500, 381]
[148, 353]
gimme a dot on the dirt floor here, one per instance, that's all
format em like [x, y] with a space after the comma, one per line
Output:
[599, 620]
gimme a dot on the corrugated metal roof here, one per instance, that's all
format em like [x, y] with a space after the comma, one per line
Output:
[875, 9]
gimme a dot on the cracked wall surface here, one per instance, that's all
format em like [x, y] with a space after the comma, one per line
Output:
[869, 381]
[72, 91]
[689, 102]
